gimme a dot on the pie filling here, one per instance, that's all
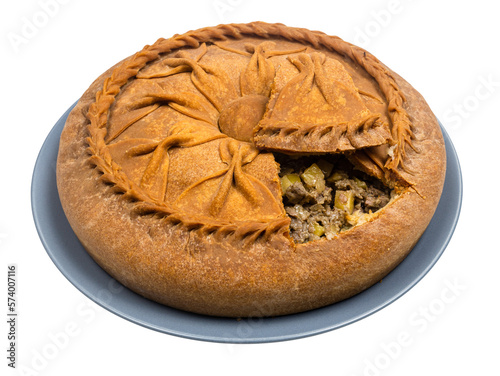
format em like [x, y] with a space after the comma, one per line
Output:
[325, 195]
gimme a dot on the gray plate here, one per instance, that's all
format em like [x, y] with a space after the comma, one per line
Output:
[80, 269]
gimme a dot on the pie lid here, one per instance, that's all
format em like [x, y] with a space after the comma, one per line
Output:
[315, 106]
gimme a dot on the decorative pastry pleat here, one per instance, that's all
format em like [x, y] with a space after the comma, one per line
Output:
[232, 193]
[190, 104]
[183, 135]
[257, 77]
[162, 70]
[212, 83]
[129, 118]
[259, 74]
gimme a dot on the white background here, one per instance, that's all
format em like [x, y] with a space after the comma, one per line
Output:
[449, 50]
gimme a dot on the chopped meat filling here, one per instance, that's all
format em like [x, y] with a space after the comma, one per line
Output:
[324, 195]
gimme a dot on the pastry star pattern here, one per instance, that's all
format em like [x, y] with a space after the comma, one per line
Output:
[236, 120]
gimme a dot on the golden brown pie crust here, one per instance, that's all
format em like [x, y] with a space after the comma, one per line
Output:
[167, 176]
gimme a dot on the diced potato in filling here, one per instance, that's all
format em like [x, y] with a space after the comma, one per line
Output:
[318, 230]
[336, 176]
[344, 200]
[288, 180]
[314, 177]
[325, 195]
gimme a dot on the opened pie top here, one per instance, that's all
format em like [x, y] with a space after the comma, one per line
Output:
[189, 131]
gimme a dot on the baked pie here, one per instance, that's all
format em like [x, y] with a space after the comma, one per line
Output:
[250, 170]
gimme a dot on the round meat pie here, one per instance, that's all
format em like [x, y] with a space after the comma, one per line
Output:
[250, 170]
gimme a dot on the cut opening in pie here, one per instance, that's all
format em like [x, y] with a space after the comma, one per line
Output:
[325, 194]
